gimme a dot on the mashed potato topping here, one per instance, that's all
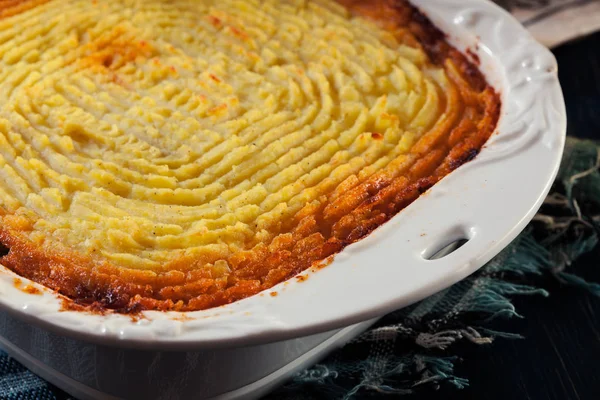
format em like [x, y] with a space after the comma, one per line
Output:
[178, 155]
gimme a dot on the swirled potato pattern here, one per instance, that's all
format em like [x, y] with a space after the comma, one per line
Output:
[178, 155]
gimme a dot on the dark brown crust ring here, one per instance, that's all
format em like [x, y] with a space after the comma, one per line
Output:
[317, 232]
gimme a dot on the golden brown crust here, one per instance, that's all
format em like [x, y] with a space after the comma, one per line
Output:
[317, 232]
[8, 8]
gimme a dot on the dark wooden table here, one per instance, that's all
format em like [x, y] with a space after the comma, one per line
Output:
[559, 359]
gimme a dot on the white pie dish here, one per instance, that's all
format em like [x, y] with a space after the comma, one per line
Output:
[488, 201]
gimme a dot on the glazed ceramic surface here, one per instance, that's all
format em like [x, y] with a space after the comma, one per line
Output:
[487, 201]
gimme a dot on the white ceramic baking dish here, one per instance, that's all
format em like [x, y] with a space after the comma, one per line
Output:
[243, 349]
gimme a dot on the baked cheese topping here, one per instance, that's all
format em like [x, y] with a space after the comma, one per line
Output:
[184, 154]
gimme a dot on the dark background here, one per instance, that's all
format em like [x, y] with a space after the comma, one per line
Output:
[559, 359]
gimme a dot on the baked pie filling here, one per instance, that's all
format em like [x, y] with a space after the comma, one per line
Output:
[180, 155]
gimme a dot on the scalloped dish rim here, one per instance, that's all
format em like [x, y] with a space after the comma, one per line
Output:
[491, 199]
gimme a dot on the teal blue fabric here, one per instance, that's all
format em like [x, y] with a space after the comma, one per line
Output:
[17, 383]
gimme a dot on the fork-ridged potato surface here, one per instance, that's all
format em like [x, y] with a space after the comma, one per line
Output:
[179, 155]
